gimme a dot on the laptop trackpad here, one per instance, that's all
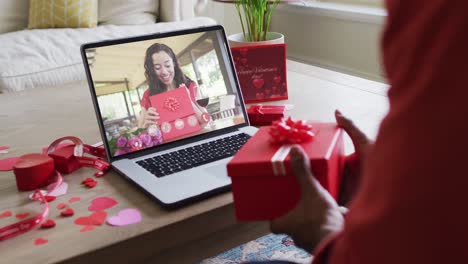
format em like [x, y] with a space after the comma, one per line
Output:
[219, 171]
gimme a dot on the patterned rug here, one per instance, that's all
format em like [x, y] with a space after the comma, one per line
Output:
[269, 247]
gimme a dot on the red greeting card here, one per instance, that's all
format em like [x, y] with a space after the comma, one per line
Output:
[262, 72]
[176, 115]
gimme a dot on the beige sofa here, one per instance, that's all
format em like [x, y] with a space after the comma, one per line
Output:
[51, 57]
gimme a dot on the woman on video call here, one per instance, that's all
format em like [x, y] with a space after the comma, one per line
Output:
[163, 74]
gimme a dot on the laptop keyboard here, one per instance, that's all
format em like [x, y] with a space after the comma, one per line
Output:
[190, 157]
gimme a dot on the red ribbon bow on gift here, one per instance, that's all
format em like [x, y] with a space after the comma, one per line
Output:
[171, 104]
[289, 131]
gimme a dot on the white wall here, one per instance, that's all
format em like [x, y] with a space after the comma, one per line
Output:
[342, 41]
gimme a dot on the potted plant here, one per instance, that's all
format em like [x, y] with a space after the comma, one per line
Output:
[255, 17]
[259, 55]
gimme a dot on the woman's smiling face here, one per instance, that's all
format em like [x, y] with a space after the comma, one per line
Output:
[163, 67]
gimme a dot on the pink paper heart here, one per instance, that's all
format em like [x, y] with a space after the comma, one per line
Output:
[125, 217]
[7, 164]
[102, 203]
[243, 52]
[277, 79]
[61, 190]
[258, 83]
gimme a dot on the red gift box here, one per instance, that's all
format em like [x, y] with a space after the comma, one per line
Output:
[263, 190]
[261, 71]
[176, 115]
[264, 115]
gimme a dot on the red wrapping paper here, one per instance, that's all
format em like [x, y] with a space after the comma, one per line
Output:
[264, 115]
[261, 195]
[177, 117]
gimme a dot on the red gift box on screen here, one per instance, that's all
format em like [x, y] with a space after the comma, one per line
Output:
[176, 115]
[264, 115]
[263, 184]
[261, 71]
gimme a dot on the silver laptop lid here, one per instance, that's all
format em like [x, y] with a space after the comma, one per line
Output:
[160, 91]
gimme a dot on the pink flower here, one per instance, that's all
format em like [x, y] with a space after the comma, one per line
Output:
[121, 142]
[146, 139]
[135, 143]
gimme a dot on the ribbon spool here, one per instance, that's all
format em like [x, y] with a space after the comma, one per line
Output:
[33, 171]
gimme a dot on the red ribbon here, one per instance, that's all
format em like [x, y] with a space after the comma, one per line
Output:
[258, 109]
[290, 132]
[171, 104]
[28, 224]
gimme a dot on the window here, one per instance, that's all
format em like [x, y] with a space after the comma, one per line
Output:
[379, 3]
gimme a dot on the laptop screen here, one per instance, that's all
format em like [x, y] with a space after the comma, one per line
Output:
[151, 92]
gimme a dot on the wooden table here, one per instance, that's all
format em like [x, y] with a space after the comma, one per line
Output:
[31, 120]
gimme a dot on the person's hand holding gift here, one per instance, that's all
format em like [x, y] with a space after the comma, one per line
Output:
[317, 215]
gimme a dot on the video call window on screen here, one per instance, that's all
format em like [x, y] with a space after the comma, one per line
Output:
[157, 91]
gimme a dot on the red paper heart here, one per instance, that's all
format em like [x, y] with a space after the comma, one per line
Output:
[74, 199]
[260, 96]
[87, 180]
[7, 164]
[48, 224]
[99, 174]
[22, 216]
[49, 198]
[243, 52]
[277, 79]
[6, 214]
[267, 91]
[68, 212]
[60, 206]
[40, 241]
[102, 203]
[87, 228]
[258, 83]
[96, 218]
[91, 184]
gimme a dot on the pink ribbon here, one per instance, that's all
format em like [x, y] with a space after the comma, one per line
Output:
[171, 104]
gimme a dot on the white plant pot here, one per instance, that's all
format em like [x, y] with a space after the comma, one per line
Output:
[237, 40]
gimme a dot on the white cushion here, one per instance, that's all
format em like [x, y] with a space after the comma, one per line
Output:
[46, 57]
[127, 12]
[13, 15]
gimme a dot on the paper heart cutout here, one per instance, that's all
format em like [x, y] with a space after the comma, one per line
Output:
[244, 61]
[87, 228]
[99, 174]
[87, 180]
[48, 224]
[260, 96]
[125, 217]
[61, 190]
[74, 199]
[6, 214]
[91, 184]
[7, 164]
[68, 212]
[277, 79]
[49, 198]
[40, 241]
[258, 83]
[243, 52]
[60, 206]
[22, 216]
[96, 218]
[102, 203]
[267, 91]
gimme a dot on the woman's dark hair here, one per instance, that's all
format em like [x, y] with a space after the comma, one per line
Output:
[155, 85]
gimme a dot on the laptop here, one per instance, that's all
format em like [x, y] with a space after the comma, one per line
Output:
[175, 161]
